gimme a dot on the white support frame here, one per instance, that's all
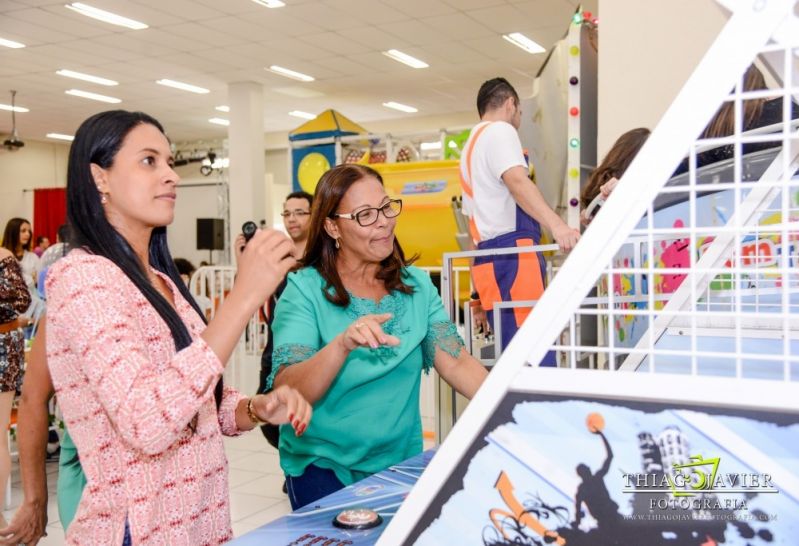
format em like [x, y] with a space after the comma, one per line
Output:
[573, 155]
[748, 29]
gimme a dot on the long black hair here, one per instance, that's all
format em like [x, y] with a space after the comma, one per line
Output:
[11, 236]
[97, 141]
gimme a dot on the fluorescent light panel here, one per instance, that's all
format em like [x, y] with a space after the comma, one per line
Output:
[427, 146]
[92, 96]
[86, 77]
[401, 107]
[10, 43]
[301, 114]
[59, 136]
[270, 3]
[183, 86]
[105, 16]
[220, 121]
[18, 109]
[293, 74]
[520, 40]
[404, 58]
[222, 108]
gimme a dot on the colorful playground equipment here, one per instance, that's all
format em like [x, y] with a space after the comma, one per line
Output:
[427, 225]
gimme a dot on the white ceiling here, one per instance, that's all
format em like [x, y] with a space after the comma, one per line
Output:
[211, 43]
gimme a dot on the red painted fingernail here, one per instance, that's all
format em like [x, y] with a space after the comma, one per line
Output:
[291, 416]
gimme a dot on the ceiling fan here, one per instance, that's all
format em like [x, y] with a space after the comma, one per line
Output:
[13, 143]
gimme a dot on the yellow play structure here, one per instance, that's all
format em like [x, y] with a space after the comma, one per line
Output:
[427, 224]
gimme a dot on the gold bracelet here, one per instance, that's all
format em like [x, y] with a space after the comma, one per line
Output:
[251, 414]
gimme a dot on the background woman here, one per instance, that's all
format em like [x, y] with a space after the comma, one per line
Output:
[136, 370]
[353, 331]
[14, 300]
[605, 177]
[17, 238]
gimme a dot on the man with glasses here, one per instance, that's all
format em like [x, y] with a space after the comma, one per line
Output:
[296, 218]
[505, 208]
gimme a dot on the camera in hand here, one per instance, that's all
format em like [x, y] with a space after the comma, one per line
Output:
[248, 229]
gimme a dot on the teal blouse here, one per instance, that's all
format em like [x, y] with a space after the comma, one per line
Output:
[369, 418]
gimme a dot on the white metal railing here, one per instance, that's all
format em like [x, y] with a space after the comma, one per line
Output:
[449, 404]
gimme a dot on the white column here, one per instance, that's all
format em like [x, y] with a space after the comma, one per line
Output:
[246, 152]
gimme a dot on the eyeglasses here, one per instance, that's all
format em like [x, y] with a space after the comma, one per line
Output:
[367, 217]
[295, 213]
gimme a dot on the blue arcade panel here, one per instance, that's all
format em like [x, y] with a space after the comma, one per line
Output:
[313, 525]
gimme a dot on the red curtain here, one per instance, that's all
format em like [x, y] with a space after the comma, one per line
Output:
[49, 212]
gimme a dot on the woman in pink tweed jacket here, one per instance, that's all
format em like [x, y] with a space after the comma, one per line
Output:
[136, 369]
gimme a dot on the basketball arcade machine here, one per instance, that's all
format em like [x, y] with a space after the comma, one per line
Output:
[570, 456]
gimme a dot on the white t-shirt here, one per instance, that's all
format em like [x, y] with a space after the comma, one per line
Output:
[496, 150]
[30, 270]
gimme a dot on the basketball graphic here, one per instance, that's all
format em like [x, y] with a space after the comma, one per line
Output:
[595, 422]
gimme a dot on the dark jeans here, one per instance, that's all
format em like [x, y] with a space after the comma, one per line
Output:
[314, 484]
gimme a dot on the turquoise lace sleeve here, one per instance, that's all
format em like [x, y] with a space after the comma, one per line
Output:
[286, 355]
[440, 335]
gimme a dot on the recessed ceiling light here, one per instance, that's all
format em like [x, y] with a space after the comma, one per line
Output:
[86, 77]
[184, 86]
[222, 108]
[301, 114]
[520, 40]
[290, 73]
[270, 3]
[59, 136]
[220, 121]
[105, 16]
[9, 108]
[10, 43]
[401, 107]
[404, 58]
[92, 96]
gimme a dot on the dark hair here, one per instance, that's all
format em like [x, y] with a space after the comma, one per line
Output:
[63, 233]
[616, 161]
[97, 141]
[493, 94]
[11, 235]
[185, 267]
[321, 250]
[300, 195]
[41, 238]
[723, 123]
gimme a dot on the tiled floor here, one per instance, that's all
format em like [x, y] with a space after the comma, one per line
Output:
[255, 488]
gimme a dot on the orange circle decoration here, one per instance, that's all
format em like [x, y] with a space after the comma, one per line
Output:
[595, 422]
[311, 169]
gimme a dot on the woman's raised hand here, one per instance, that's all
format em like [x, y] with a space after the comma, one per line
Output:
[263, 262]
[607, 188]
[283, 405]
[367, 331]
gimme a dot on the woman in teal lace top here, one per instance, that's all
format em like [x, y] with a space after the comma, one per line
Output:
[354, 329]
